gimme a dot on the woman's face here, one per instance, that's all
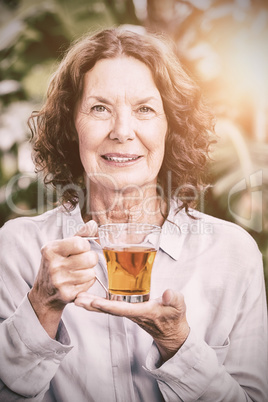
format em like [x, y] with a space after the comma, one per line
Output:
[121, 124]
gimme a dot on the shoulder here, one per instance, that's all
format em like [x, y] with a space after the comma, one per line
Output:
[228, 232]
[44, 226]
[202, 223]
[219, 238]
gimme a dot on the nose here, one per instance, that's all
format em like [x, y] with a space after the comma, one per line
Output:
[122, 129]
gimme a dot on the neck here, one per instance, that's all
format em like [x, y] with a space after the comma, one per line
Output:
[135, 204]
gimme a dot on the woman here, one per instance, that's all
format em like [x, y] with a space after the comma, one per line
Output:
[125, 135]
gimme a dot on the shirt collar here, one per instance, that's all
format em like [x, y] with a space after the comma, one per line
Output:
[171, 236]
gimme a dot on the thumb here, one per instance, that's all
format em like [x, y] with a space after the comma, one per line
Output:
[88, 229]
[171, 298]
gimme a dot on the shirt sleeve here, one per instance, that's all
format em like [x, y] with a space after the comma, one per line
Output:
[29, 358]
[235, 371]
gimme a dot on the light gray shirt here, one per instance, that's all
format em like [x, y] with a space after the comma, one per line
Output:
[98, 357]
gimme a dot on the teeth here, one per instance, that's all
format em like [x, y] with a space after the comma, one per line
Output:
[119, 159]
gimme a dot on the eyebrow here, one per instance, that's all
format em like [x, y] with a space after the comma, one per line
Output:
[145, 100]
[99, 99]
[138, 102]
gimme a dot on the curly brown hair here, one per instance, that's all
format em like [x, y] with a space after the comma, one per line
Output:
[190, 123]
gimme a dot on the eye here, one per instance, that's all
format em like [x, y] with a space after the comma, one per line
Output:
[145, 109]
[145, 112]
[100, 112]
[99, 108]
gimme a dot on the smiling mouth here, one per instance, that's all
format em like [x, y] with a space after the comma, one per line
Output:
[121, 158]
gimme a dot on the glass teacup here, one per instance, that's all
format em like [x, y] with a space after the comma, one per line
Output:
[129, 250]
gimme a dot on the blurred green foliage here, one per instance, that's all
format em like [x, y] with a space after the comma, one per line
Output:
[223, 44]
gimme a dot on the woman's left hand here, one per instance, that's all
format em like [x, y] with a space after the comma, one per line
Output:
[164, 318]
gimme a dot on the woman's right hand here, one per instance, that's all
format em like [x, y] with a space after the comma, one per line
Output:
[67, 268]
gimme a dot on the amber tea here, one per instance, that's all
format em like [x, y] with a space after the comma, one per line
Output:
[129, 269]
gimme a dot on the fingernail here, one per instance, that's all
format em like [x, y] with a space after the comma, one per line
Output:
[78, 304]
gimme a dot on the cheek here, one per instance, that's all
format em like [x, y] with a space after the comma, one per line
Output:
[156, 155]
[87, 137]
[153, 134]
[92, 133]
[84, 143]
[157, 143]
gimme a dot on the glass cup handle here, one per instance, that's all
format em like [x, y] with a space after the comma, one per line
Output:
[97, 278]
[104, 287]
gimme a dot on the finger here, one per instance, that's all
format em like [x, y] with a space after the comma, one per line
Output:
[82, 276]
[84, 285]
[88, 229]
[86, 300]
[70, 291]
[88, 259]
[167, 297]
[71, 246]
[173, 299]
[123, 309]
